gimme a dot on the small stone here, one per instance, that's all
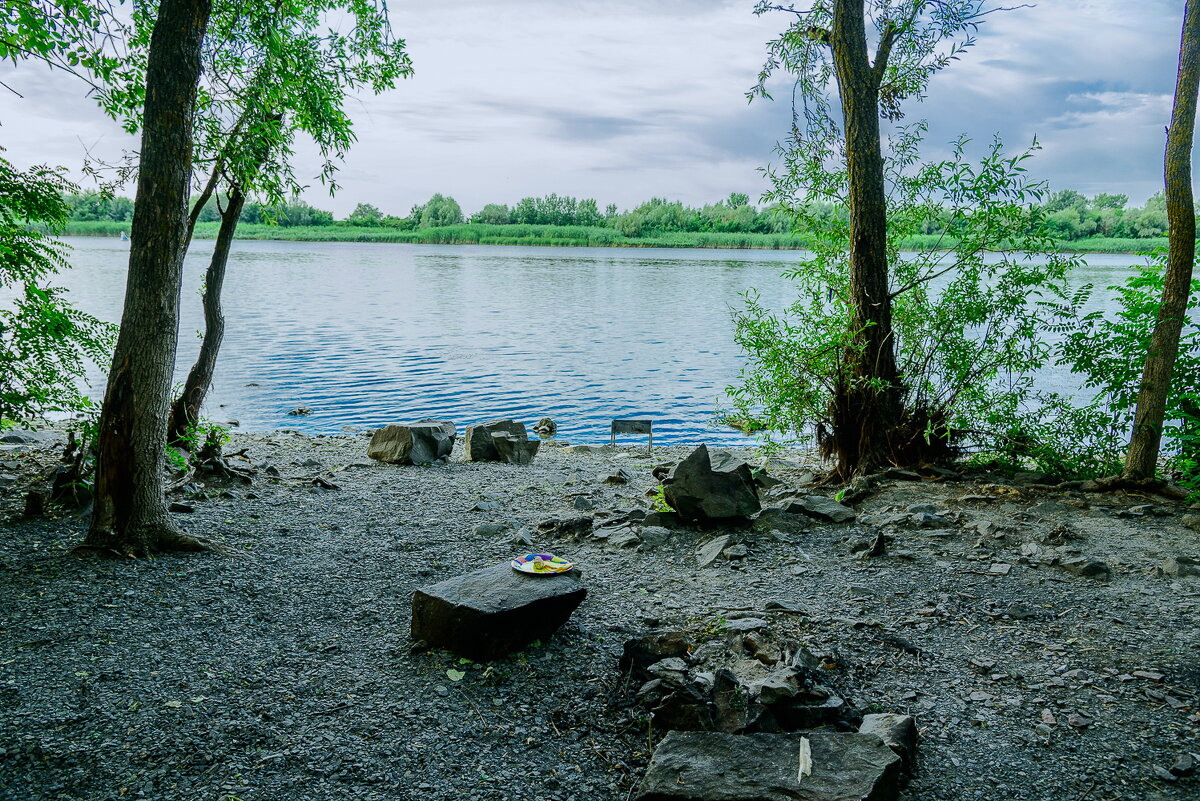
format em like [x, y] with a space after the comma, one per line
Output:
[1048, 718]
[486, 506]
[1079, 720]
[583, 504]
[1165, 775]
[1000, 569]
[707, 553]
[490, 530]
[620, 476]
[1185, 765]
[782, 606]
[1191, 521]
[1181, 567]
[625, 538]
[1087, 566]
[744, 624]
[734, 552]
[176, 506]
[1149, 675]
[1020, 611]
[655, 536]
[896, 474]
[441, 689]
[821, 508]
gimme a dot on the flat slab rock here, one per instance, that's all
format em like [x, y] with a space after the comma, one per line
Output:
[494, 611]
[709, 766]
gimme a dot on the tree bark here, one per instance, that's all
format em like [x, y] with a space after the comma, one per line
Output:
[868, 405]
[1142, 458]
[130, 515]
[185, 412]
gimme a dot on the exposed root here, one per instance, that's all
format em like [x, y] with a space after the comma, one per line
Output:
[1155, 486]
[146, 544]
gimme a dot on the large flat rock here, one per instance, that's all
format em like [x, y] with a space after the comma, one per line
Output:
[494, 611]
[710, 766]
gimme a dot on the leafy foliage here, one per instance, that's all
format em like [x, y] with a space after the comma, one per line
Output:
[45, 343]
[967, 330]
[1107, 352]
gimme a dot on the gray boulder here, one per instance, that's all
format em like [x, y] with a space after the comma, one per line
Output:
[423, 442]
[478, 445]
[515, 449]
[711, 487]
[494, 611]
[821, 766]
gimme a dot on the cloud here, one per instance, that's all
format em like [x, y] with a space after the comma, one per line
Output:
[630, 99]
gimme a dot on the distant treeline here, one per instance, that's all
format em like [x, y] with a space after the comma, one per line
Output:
[1069, 214]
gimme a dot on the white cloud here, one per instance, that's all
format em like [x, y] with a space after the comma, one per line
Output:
[624, 100]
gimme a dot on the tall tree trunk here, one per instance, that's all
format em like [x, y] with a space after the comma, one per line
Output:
[130, 515]
[185, 412]
[867, 406]
[1164, 343]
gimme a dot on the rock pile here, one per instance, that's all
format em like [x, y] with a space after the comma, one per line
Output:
[741, 706]
[741, 680]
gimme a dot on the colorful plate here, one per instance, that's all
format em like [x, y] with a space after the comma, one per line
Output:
[541, 564]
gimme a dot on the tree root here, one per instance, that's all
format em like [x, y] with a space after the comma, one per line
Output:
[145, 545]
[1155, 486]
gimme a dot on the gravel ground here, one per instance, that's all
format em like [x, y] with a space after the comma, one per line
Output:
[288, 674]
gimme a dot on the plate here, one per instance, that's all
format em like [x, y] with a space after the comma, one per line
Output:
[546, 564]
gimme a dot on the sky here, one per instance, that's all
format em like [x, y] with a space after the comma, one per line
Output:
[623, 100]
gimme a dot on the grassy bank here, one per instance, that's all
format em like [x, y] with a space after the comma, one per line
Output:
[566, 236]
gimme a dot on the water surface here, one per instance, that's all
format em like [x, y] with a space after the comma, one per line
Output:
[370, 334]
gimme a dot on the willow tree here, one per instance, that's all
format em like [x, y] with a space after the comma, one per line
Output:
[836, 361]
[1142, 457]
[275, 71]
[130, 515]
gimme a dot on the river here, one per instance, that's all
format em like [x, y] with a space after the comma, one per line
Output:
[370, 334]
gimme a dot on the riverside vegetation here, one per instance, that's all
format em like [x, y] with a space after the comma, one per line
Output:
[1101, 224]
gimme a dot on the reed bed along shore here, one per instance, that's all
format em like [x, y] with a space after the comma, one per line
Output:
[571, 236]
